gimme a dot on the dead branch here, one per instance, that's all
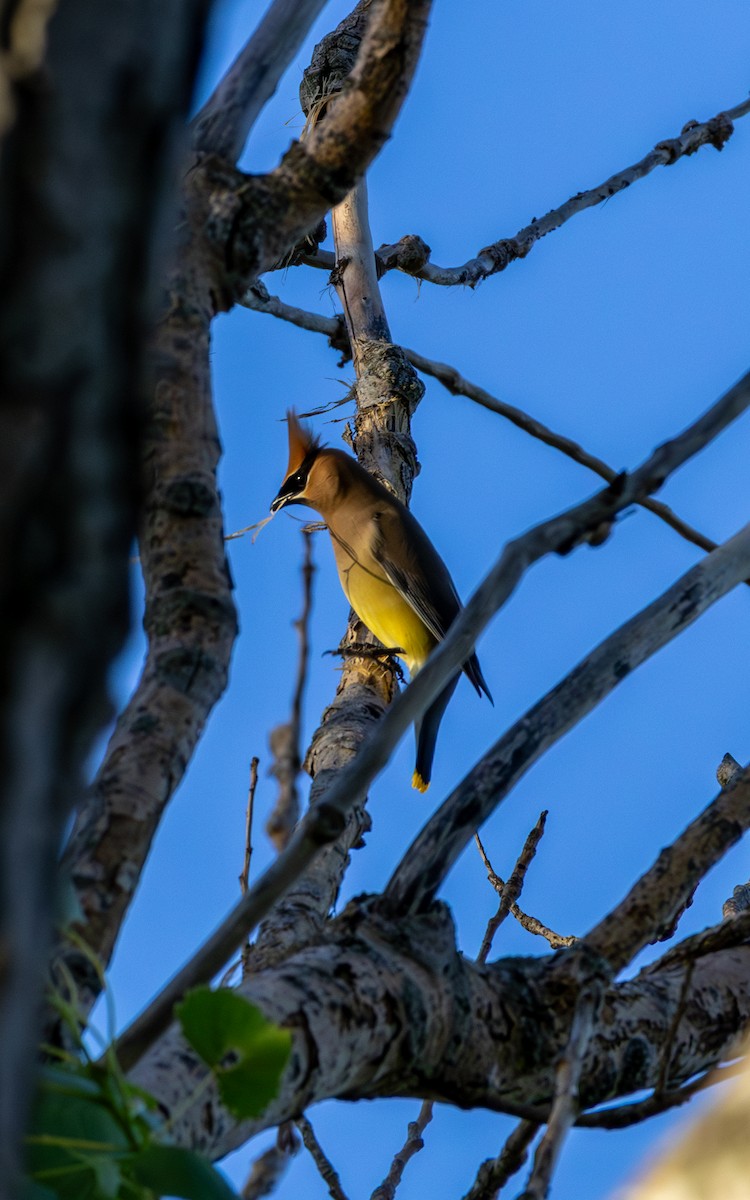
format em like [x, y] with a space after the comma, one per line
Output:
[496, 257]
[494, 1173]
[649, 910]
[509, 892]
[269, 1168]
[453, 825]
[223, 124]
[413, 1144]
[410, 1037]
[326, 1170]
[258, 299]
[556, 940]
[565, 1105]
[245, 874]
[285, 739]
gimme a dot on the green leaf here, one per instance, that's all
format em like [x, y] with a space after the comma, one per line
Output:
[248, 1088]
[172, 1171]
[73, 1139]
[216, 1022]
[221, 1022]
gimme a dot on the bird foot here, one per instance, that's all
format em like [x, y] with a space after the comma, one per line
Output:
[385, 654]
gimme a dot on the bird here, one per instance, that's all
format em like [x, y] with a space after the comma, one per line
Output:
[391, 574]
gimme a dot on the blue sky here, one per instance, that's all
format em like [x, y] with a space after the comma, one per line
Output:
[617, 330]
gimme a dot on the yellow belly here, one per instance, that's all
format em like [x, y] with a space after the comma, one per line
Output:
[390, 618]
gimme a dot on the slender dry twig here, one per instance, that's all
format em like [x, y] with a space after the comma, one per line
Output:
[323, 823]
[509, 892]
[413, 1144]
[565, 1105]
[494, 1173]
[622, 1116]
[268, 1168]
[496, 257]
[285, 739]
[665, 1056]
[245, 873]
[259, 300]
[326, 1169]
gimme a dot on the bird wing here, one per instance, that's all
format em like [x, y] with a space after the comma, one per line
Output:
[413, 566]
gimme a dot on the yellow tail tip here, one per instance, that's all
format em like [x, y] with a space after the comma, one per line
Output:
[419, 783]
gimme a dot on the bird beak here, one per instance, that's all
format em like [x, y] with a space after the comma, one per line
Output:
[279, 502]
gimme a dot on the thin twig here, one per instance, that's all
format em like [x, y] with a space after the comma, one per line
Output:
[494, 1173]
[665, 1056]
[413, 1144]
[509, 892]
[565, 1105]
[500, 254]
[268, 1168]
[334, 329]
[285, 739]
[326, 1169]
[245, 874]
[624, 1115]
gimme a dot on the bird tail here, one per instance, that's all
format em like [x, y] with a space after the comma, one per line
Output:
[473, 671]
[426, 729]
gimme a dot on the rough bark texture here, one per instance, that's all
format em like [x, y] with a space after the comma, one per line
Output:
[384, 1008]
[81, 215]
[233, 226]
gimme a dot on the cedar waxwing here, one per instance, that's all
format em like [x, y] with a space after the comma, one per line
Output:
[392, 575]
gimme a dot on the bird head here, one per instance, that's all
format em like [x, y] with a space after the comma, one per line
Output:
[304, 448]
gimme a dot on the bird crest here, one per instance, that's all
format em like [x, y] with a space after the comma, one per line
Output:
[302, 442]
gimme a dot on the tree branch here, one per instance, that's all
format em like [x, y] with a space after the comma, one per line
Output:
[223, 124]
[452, 826]
[77, 268]
[496, 257]
[259, 300]
[649, 911]
[378, 1009]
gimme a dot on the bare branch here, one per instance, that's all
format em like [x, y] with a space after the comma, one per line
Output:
[500, 254]
[245, 874]
[413, 1144]
[509, 892]
[452, 826]
[624, 1115]
[650, 907]
[565, 1105]
[268, 1169]
[494, 1173]
[325, 1167]
[285, 739]
[413, 1039]
[556, 940]
[259, 300]
[223, 124]
[255, 219]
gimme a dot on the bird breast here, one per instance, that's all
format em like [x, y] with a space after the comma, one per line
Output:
[382, 608]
